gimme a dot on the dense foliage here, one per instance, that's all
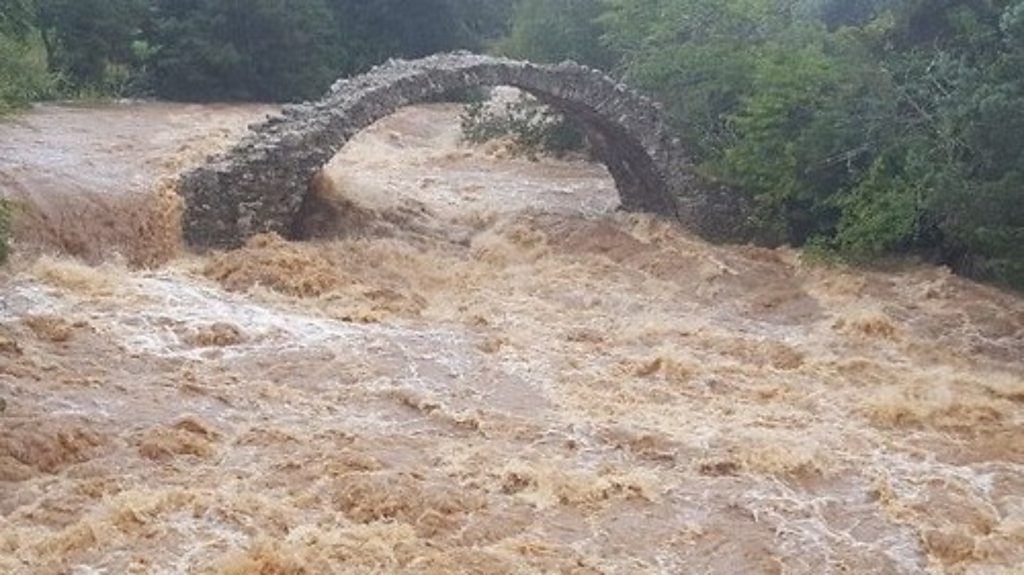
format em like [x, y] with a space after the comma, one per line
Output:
[244, 49]
[865, 127]
[90, 42]
[554, 30]
[24, 75]
[529, 127]
[269, 50]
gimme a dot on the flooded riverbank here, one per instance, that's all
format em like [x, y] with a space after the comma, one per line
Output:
[96, 181]
[476, 366]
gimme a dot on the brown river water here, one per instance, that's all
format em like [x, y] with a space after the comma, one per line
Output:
[479, 366]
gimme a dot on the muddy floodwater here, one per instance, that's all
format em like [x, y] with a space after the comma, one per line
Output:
[476, 365]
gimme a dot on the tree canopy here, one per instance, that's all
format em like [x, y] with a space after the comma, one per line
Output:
[270, 50]
[864, 127]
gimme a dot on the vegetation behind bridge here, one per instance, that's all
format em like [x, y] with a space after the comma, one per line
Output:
[864, 128]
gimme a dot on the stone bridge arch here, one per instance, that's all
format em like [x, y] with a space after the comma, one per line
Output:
[260, 184]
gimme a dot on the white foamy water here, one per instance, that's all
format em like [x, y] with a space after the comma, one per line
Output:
[480, 367]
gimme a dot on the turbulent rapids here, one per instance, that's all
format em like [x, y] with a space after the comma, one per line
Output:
[477, 364]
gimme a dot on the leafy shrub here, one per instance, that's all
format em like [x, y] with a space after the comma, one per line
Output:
[23, 72]
[268, 50]
[531, 127]
[90, 42]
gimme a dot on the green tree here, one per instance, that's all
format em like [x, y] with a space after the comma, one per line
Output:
[90, 41]
[266, 50]
[697, 56]
[484, 21]
[372, 32]
[873, 127]
[24, 76]
[17, 17]
[556, 30]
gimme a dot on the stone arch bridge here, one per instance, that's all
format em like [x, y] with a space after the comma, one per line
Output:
[261, 184]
